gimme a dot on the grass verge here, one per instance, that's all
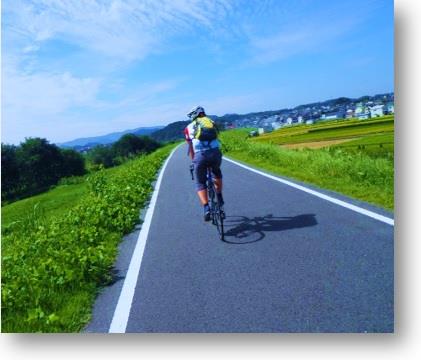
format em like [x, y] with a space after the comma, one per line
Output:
[354, 174]
[53, 265]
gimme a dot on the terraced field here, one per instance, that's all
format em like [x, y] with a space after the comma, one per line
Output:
[330, 131]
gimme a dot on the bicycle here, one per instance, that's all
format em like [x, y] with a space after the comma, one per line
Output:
[216, 213]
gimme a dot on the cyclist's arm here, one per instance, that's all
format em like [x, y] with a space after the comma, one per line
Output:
[189, 143]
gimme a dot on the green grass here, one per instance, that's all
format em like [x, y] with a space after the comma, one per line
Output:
[354, 174]
[55, 261]
[52, 203]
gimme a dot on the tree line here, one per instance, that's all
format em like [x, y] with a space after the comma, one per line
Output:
[127, 146]
[35, 165]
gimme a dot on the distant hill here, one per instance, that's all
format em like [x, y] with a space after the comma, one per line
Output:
[109, 138]
[173, 131]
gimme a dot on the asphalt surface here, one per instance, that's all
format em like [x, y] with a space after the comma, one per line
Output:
[291, 262]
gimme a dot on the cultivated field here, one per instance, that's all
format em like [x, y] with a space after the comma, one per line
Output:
[373, 136]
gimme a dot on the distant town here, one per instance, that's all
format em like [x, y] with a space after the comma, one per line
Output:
[362, 108]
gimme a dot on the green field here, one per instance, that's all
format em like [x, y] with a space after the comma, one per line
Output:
[332, 130]
[58, 248]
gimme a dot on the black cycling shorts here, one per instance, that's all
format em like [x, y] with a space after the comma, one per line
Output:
[202, 160]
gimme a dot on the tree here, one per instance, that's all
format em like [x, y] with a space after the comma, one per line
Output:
[73, 163]
[149, 144]
[128, 144]
[131, 144]
[102, 155]
[40, 164]
[35, 165]
[10, 177]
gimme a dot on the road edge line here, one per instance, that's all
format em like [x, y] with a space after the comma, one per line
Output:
[124, 304]
[342, 203]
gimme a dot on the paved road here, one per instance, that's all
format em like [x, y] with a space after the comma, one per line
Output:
[292, 263]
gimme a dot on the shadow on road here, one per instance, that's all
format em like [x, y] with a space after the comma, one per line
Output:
[245, 230]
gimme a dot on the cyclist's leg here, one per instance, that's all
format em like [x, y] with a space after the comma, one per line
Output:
[216, 160]
[215, 163]
[200, 175]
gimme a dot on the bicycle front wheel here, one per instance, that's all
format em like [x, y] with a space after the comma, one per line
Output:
[219, 222]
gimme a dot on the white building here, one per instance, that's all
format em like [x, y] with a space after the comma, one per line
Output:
[364, 115]
[276, 125]
[261, 131]
[330, 116]
[376, 111]
[359, 109]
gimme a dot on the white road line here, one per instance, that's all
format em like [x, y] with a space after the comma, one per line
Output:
[122, 310]
[320, 195]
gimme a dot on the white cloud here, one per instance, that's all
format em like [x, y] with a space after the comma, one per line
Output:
[43, 104]
[128, 29]
[45, 93]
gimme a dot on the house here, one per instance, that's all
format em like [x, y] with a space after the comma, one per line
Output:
[260, 131]
[349, 114]
[331, 116]
[359, 109]
[376, 111]
[300, 119]
[289, 120]
[276, 125]
[309, 122]
[390, 108]
[363, 115]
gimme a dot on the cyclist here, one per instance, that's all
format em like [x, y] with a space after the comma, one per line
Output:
[201, 136]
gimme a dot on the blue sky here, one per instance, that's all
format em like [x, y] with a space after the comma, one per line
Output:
[77, 68]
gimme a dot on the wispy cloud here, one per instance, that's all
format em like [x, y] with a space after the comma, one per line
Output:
[128, 29]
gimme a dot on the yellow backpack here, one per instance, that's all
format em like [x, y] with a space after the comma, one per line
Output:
[205, 129]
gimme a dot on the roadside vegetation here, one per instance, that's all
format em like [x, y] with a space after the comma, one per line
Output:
[58, 249]
[356, 173]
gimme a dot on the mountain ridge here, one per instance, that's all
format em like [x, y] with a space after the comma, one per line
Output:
[108, 138]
